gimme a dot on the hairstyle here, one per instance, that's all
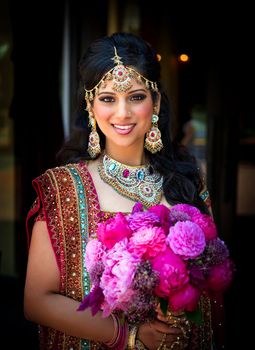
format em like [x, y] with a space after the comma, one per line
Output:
[182, 182]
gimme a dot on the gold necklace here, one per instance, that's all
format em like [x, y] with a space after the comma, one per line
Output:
[139, 183]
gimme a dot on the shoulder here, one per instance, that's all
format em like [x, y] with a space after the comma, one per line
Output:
[59, 173]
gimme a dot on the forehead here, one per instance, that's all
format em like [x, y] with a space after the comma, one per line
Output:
[110, 86]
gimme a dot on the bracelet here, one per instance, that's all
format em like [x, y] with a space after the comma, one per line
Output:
[132, 337]
[115, 332]
[119, 339]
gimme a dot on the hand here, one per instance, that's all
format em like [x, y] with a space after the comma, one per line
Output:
[179, 321]
[158, 335]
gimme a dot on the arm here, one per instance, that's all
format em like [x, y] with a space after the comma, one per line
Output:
[42, 302]
[44, 305]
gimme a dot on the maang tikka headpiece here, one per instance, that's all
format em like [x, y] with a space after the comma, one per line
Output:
[122, 78]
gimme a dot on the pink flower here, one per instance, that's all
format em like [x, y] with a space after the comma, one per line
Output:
[114, 230]
[95, 252]
[186, 239]
[117, 278]
[185, 299]
[207, 225]
[141, 219]
[172, 271]
[173, 254]
[147, 242]
[163, 213]
[182, 212]
[220, 276]
[137, 207]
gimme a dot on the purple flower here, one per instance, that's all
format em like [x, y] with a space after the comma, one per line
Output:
[215, 252]
[182, 212]
[138, 258]
[142, 219]
[142, 309]
[137, 207]
[145, 279]
[93, 300]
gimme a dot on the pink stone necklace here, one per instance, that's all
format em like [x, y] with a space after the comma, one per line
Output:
[138, 183]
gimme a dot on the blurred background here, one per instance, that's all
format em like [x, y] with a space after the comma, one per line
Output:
[207, 70]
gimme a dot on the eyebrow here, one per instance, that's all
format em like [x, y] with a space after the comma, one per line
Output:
[114, 93]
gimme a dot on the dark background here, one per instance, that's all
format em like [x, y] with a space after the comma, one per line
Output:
[219, 77]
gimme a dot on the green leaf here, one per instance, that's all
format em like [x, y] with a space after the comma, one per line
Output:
[163, 305]
[195, 316]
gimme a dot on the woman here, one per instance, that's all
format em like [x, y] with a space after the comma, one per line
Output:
[120, 153]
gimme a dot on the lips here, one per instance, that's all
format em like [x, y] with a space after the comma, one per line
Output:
[123, 129]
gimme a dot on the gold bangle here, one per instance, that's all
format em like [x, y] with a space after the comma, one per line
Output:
[131, 337]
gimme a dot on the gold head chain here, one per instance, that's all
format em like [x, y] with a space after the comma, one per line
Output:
[122, 78]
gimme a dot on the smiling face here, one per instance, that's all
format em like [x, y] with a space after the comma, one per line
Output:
[124, 117]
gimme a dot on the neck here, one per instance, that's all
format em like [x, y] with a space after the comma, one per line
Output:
[126, 155]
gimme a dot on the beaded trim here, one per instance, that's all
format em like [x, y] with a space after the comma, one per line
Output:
[122, 78]
[139, 183]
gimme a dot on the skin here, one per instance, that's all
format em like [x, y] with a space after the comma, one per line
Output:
[113, 110]
[132, 111]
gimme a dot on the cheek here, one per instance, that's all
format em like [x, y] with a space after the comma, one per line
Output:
[101, 114]
[145, 114]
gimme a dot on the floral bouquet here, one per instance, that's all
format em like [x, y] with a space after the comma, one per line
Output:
[156, 256]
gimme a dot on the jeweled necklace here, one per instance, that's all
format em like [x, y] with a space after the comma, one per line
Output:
[139, 183]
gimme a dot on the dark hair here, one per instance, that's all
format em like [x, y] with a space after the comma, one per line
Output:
[182, 181]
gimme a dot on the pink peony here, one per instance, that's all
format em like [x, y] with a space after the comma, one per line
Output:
[95, 252]
[114, 230]
[163, 213]
[172, 271]
[185, 299]
[117, 278]
[173, 254]
[220, 276]
[207, 225]
[186, 239]
[147, 242]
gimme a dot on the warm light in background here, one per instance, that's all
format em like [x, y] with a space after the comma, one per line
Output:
[183, 57]
[158, 57]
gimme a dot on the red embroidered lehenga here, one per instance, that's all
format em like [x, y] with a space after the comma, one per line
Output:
[67, 200]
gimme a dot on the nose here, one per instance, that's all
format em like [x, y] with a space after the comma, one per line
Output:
[122, 109]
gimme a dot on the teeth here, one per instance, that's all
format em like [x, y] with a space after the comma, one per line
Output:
[123, 127]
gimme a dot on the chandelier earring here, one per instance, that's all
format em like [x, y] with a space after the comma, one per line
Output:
[94, 148]
[153, 142]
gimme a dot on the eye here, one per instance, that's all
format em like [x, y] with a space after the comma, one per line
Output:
[106, 99]
[139, 97]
